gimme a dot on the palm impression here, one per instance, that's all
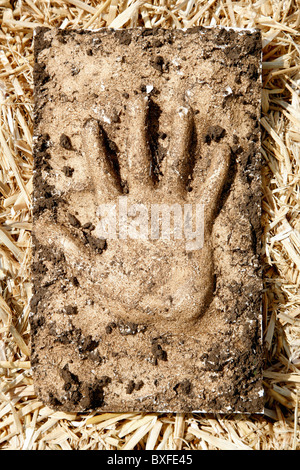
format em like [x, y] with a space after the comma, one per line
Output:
[134, 247]
[146, 231]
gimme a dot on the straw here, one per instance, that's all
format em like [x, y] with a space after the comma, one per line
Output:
[25, 423]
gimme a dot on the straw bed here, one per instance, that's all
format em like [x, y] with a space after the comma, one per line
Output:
[25, 423]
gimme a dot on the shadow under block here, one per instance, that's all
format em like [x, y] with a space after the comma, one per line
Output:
[126, 122]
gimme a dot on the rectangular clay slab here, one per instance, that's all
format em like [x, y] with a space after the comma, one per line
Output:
[147, 117]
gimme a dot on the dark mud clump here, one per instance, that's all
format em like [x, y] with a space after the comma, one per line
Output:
[65, 142]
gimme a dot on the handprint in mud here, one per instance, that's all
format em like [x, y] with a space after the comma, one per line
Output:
[146, 278]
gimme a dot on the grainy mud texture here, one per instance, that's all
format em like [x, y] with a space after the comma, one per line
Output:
[131, 321]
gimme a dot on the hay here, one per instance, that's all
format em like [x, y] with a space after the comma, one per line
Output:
[25, 423]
